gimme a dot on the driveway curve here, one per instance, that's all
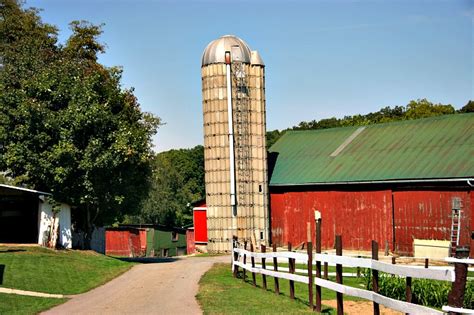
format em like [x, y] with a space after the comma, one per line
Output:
[166, 286]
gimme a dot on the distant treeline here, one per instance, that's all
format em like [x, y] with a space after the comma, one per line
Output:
[415, 109]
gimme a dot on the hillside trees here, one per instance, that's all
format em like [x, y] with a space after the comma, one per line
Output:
[468, 108]
[66, 125]
[415, 109]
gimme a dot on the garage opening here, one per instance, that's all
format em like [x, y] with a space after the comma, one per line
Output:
[18, 216]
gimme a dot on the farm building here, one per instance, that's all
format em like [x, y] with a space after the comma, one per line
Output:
[197, 234]
[26, 216]
[404, 184]
[200, 222]
[145, 240]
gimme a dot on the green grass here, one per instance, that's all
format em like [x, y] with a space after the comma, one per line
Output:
[302, 289]
[20, 304]
[61, 272]
[220, 293]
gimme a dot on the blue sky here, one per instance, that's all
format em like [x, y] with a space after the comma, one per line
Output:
[323, 58]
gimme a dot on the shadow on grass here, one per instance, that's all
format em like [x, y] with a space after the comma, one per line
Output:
[147, 260]
[2, 270]
[12, 250]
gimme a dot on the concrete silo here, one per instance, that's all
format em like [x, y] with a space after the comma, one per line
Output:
[234, 143]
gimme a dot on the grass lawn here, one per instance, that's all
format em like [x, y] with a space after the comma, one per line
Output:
[19, 304]
[61, 272]
[220, 293]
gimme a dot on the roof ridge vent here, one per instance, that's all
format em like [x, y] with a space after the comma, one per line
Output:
[347, 141]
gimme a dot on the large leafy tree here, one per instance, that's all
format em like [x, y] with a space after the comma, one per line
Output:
[66, 125]
[178, 181]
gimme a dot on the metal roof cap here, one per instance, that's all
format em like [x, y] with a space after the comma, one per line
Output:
[215, 51]
[256, 59]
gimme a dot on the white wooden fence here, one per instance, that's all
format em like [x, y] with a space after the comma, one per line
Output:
[241, 259]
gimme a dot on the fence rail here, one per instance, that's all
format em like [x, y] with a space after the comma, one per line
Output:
[347, 261]
[241, 256]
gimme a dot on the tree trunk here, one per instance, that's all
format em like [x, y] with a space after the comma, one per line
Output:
[54, 232]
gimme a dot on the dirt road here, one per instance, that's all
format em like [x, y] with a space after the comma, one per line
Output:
[163, 287]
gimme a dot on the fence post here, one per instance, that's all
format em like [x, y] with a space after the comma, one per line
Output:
[275, 268]
[264, 277]
[245, 260]
[318, 265]
[252, 259]
[358, 268]
[458, 288]
[426, 262]
[326, 270]
[340, 302]
[375, 275]
[408, 293]
[235, 255]
[309, 249]
[292, 271]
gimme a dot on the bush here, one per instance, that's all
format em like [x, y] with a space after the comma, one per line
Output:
[469, 295]
[430, 293]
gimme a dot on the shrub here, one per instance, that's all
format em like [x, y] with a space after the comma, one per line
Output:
[430, 293]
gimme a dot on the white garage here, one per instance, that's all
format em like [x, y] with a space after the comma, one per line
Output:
[26, 217]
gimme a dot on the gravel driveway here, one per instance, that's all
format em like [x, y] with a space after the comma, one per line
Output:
[166, 286]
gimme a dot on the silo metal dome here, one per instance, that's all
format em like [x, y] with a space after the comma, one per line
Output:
[215, 51]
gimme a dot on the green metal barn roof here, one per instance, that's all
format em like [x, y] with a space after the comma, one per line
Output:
[432, 148]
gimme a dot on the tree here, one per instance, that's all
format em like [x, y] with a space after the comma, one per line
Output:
[421, 108]
[468, 108]
[178, 181]
[66, 125]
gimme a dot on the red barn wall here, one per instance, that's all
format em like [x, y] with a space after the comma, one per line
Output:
[472, 223]
[396, 217]
[200, 226]
[427, 215]
[190, 244]
[124, 243]
[142, 239]
[358, 216]
[116, 243]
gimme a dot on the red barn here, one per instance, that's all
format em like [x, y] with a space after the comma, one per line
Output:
[125, 241]
[200, 222]
[396, 183]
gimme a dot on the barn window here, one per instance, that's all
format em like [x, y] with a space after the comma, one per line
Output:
[174, 236]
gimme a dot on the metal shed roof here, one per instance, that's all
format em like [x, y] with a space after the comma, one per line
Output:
[432, 148]
[25, 190]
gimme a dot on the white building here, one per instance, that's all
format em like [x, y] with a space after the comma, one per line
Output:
[26, 216]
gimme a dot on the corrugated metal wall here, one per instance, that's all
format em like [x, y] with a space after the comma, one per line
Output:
[360, 216]
[427, 215]
[123, 243]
